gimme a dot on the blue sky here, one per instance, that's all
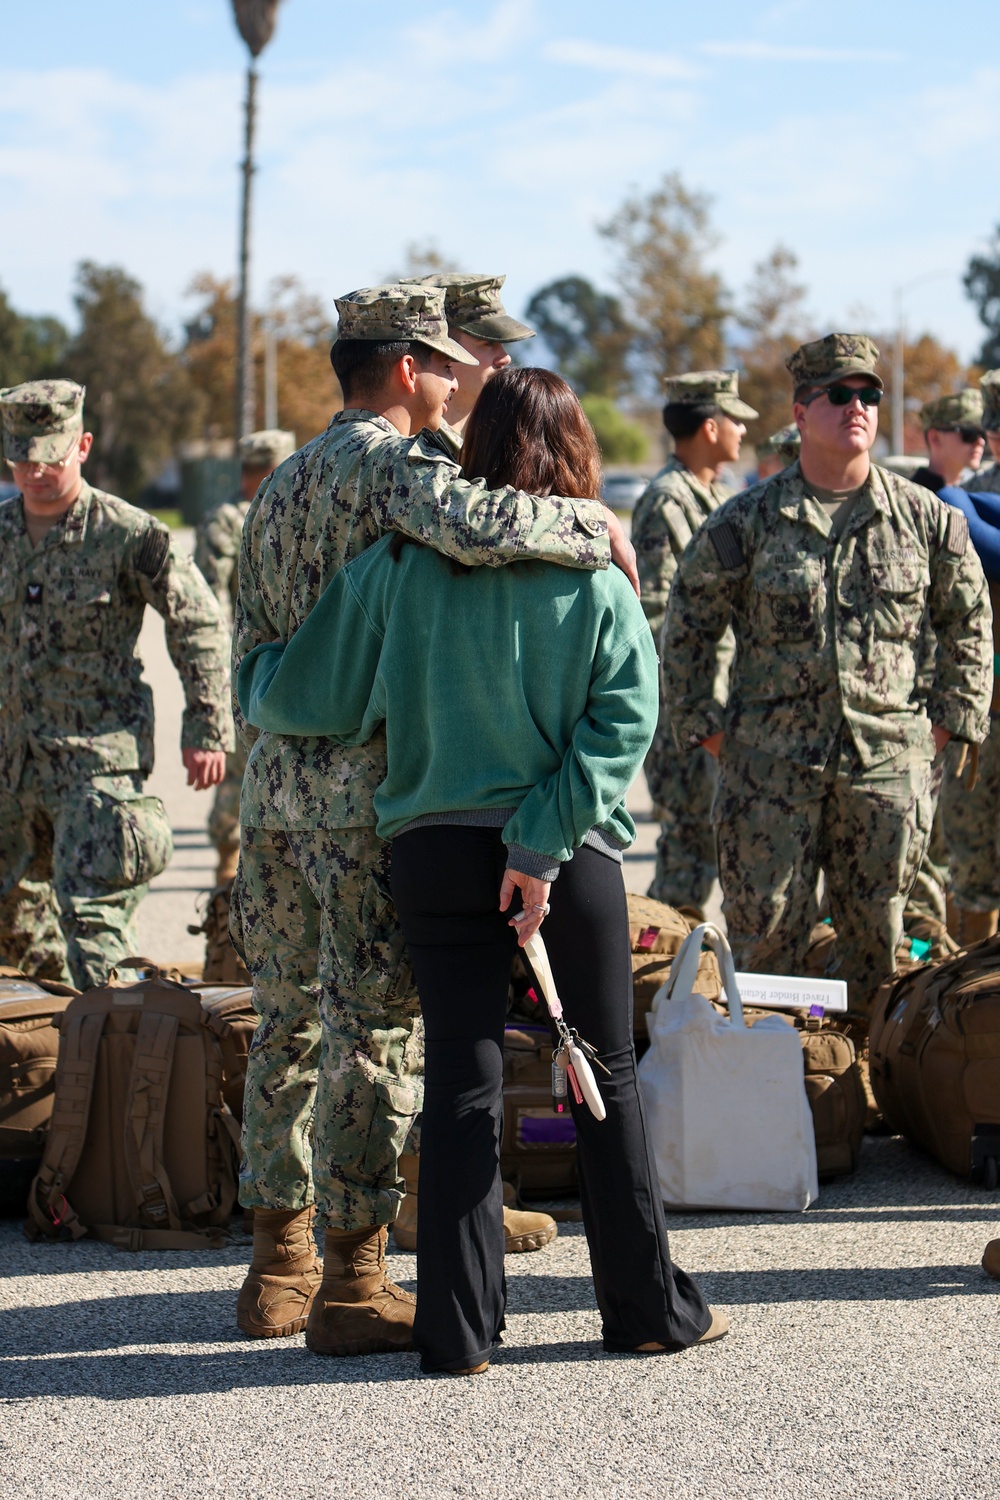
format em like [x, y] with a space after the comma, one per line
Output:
[864, 136]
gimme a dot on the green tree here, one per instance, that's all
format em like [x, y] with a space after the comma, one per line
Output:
[140, 400]
[31, 348]
[676, 304]
[982, 286]
[620, 441]
[587, 332]
[773, 319]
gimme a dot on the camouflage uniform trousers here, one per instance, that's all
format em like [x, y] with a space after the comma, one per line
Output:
[682, 786]
[929, 897]
[75, 863]
[224, 819]
[778, 824]
[972, 829]
[335, 1071]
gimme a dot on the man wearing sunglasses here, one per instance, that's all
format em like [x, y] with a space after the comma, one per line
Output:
[987, 479]
[827, 573]
[953, 432]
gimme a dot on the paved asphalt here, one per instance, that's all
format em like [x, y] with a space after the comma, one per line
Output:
[862, 1359]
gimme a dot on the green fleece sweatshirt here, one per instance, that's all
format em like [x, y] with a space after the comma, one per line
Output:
[531, 689]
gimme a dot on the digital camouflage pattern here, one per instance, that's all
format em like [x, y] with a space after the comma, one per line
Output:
[71, 689]
[78, 840]
[667, 514]
[985, 481]
[331, 500]
[216, 555]
[267, 448]
[40, 419]
[335, 1071]
[786, 443]
[472, 305]
[779, 823]
[972, 830]
[828, 632]
[75, 862]
[827, 360]
[708, 388]
[396, 313]
[962, 409]
[989, 387]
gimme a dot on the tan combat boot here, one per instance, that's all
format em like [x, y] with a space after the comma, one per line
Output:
[968, 927]
[275, 1298]
[358, 1310]
[225, 870]
[991, 1259]
[521, 1231]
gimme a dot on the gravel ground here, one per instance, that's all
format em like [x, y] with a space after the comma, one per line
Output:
[862, 1362]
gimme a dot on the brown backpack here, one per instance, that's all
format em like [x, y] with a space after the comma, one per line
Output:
[656, 932]
[142, 1149]
[538, 1152]
[29, 1043]
[223, 964]
[934, 1058]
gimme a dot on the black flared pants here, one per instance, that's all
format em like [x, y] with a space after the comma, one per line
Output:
[446, 885]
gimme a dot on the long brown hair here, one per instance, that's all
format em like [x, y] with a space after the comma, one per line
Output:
[528, 429]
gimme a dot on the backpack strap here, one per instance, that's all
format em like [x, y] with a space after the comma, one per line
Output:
[145, 1109]
[160, 1239]
[51, 1212]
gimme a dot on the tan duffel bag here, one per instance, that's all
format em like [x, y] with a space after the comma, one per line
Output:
[656, 932]
[934, 1058]
[29, 1043]
[142, 1149]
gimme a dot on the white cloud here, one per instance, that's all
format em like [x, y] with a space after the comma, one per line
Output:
[774, 52]
[622, 60]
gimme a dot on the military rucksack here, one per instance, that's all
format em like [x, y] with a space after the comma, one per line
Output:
[29, 1043]
[142, 1149]
[656, 932]
[934, 1058]
[223, 964]
[538, 1151]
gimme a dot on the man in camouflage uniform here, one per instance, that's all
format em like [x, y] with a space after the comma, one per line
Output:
[216, 553]
[827, 573]
[705, 417]
[987, 479]
[778, 451]
[79, 840]
[479, 322]
[334, 1076]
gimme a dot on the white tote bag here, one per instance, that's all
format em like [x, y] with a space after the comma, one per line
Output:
[726, 1102]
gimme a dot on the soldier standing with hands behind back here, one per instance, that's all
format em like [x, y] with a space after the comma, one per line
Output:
[827, 573]
[79, 840]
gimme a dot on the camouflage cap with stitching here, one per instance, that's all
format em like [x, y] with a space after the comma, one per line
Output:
[270, 446]
[719, 388]
[40, 420]
[785, 443]
[825, 361]
[392, 313]
[473, 306]
[962, 409]
[989, 386]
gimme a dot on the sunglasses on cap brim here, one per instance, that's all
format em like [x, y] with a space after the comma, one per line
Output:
[843, 395]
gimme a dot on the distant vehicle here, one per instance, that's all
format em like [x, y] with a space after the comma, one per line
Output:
[622, 489]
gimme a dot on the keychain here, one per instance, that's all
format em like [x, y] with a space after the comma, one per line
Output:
[572, 1058]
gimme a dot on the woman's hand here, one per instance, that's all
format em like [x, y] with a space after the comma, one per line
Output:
[534, 902]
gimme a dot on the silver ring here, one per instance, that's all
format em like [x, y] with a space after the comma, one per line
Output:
[543, 909]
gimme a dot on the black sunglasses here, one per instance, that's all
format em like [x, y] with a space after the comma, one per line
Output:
[843, 395]
[969, 434]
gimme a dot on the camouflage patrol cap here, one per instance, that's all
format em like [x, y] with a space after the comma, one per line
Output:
[271, 447]
[785, 443]
[473, 306]
[708, 388]
[963, 409]
[825, 361]
[394, 312]
[40, 420]
[989, 385]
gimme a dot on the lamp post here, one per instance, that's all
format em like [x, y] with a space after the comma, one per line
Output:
[898, 373]
[255, 20]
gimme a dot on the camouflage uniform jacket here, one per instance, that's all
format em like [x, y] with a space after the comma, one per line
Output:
[217, 552]
[71, 609]
[828, 632]
[667, 514]
[325, 505]
[984, 481]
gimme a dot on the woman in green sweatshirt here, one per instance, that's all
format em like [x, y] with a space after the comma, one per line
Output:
[517, 705]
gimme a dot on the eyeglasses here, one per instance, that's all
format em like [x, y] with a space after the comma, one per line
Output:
[843, 395]
[970, 434]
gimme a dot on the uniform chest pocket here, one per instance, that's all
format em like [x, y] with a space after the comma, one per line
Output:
[899, 598]
[82, 611]
[791, 600]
